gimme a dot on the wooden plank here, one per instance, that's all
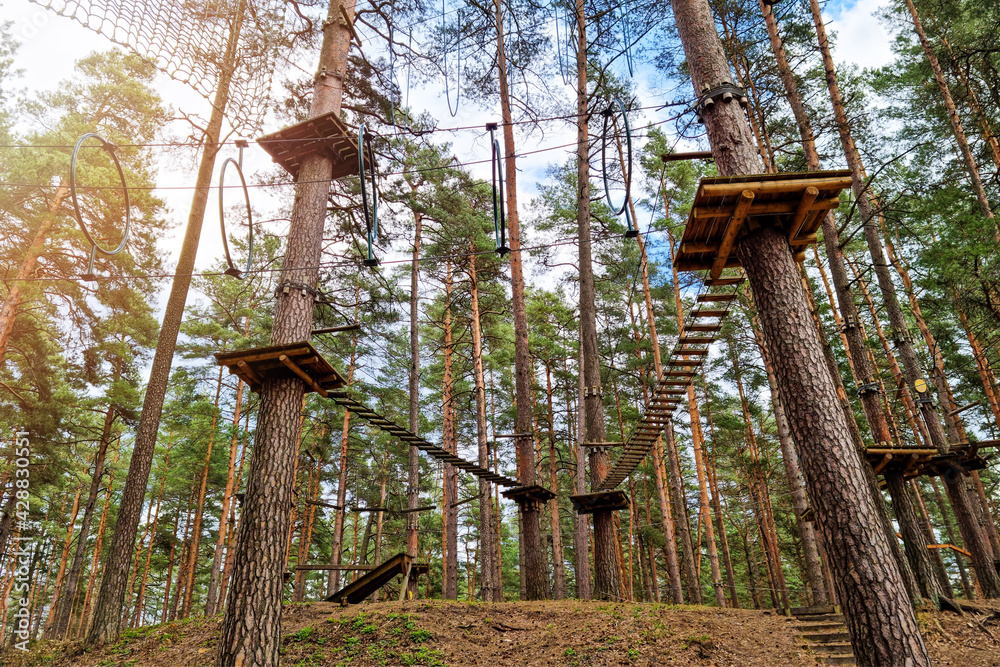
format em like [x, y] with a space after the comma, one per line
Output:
[732, 230]
[293, 367]
[703, 327]
[694, 247]
[761, 208]
[689, 353]
[696, 340]
[776, 185]
[708, 312]
[708, 298]
[720, 282]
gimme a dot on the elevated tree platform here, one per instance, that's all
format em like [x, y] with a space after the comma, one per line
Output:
[325, 135]
[530, 495]
[296, 359]
[726, 208]
[606, 501]
[962, 457]
[362, 587]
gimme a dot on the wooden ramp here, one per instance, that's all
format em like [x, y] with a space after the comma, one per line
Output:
[359, 589]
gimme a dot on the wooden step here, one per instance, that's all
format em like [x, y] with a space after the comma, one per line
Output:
[826, 637]
[821, 618]
[819, 609]
[838, 648]
[709, 312]
[819, 627]
[711, 298]
[703, 327]
[718, 282]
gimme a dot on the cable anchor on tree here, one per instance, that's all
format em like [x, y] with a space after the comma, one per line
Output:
[631, 231]
[232, 270]
[370, 210]
[95, 247]
[499, 212]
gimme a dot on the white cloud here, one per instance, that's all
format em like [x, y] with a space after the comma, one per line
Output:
[861, 37]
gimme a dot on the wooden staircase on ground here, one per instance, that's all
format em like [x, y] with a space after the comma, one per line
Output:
[823, 630]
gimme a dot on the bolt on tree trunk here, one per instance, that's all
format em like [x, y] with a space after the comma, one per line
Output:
[879, 616]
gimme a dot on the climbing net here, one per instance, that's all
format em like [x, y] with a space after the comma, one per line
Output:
[188, 40]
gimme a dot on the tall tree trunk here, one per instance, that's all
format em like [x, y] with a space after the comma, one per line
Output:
[946, 521]
[450, 443]
[251, 625]
[928, 531]
[337, 550]
[106, 623]
[913, 538]
[734, 599]
[59, 591]
[200, 505]
[879, 616]
[64, 608]
[581, 522]
[956, 122]
[413, 454]
[490, 579]
[212, 596]
[555, 525]
[535, 567]
[140, 602]
[796, 485]
[96, 558]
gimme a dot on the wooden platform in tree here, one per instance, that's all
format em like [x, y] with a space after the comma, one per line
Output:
[962, 458]
[530, 495]
[372, 417]
[607, 501]
[326, 135]
[362, 587]
[299, 360]
[727, 207]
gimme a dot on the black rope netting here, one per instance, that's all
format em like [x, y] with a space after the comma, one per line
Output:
[188, 40]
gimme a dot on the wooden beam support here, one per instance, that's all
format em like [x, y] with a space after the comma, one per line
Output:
[761, 187]
[803, 210]
[729, 238]
[293, 367]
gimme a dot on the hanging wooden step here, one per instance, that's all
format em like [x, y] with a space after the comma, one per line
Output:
[325, 135]
[706, 298]
[299, 360]
[726, 208]
[705, 328]
[701, 312]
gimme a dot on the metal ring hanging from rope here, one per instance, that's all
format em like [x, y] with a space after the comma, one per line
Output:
[370, 212]
[232, 270]
[609, 113]
[499, 212]
[458, 77]
[94, 246]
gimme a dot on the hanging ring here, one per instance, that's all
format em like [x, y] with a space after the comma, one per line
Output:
[94, 245]
[626, 167]
[370, 211]
[232, 270]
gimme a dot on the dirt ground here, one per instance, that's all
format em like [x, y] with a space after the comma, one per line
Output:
[528, 634]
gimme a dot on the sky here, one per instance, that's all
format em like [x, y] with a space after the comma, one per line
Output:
[50, 45]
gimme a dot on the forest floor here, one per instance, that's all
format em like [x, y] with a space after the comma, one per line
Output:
[567, 633]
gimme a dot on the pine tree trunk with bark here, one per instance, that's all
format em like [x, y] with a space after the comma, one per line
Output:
[251, 626]
[449, 442]
[879, 616]
[490, 579]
